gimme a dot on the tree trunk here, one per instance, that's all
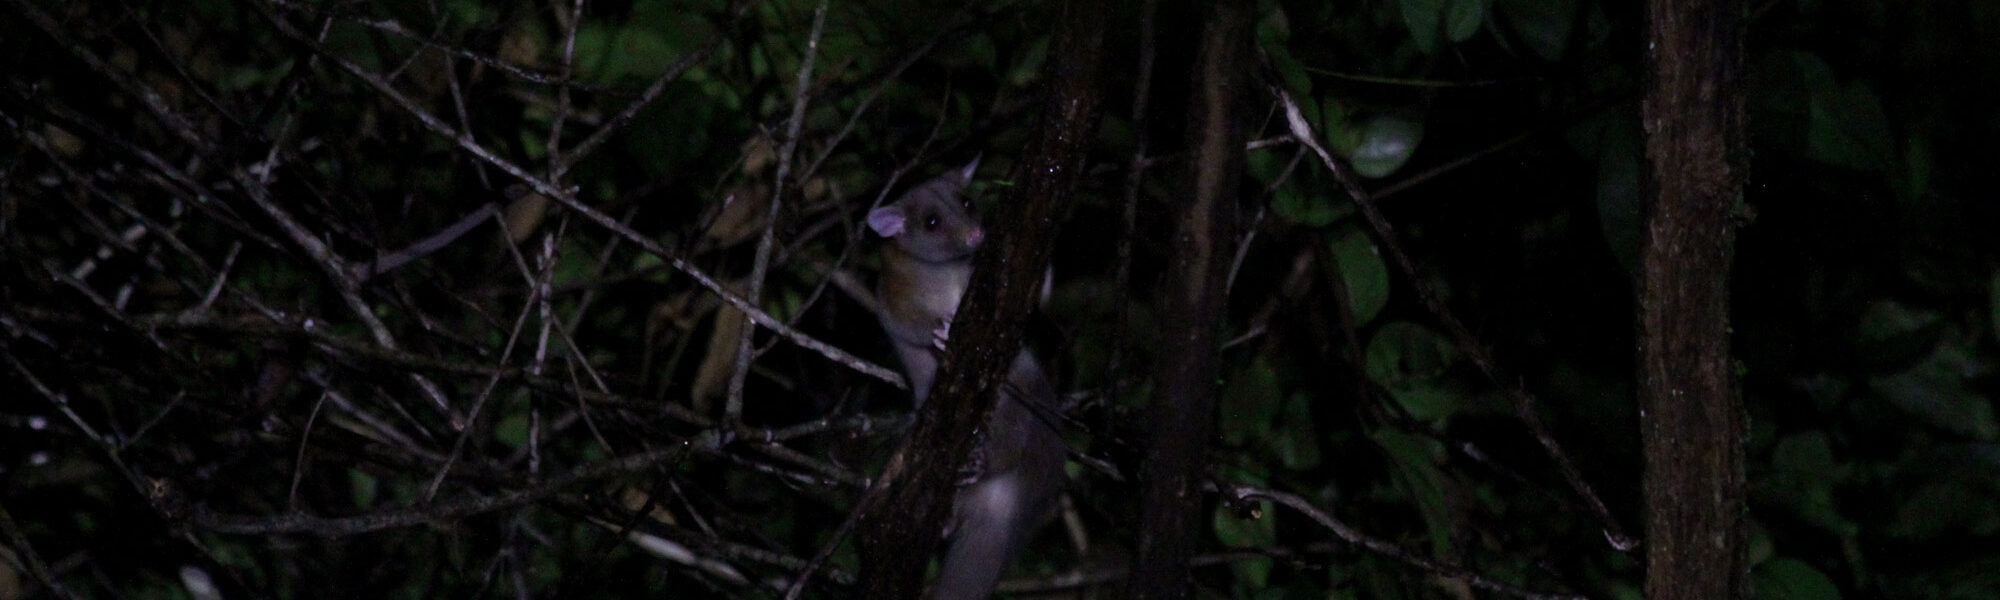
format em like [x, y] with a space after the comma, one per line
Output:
[906, 517]
[1691, 418]
[1193, 297]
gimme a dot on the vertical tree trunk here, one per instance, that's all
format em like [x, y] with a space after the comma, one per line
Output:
[1691, 418]
[1193, 301]
[905, 517]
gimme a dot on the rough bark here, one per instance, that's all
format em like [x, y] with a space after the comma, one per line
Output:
[986, 332]
[1193, 292]
[1691, 417]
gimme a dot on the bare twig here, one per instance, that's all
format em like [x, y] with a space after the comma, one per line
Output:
[479, 400]
[449, 509]
[1238, 494]
[393, 27]
[732, 412]
[868, 100]
[567, 198]
[1449, 166]
[553, 145]
[152, 101]
[221, 277]
[332, 265]
[624, 117]
[24, 551]
[1135, 177]
[299, 461]
[363, 271]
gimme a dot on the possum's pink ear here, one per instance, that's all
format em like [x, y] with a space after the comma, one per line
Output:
[965, 173]
[887, 221]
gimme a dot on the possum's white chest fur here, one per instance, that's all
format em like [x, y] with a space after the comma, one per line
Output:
[943, 299]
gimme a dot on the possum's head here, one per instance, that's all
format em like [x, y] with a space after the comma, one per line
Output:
[933, 221]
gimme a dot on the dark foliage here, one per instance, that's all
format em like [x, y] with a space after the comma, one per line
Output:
[419, 299]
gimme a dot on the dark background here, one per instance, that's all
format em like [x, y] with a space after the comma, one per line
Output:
[190, 392]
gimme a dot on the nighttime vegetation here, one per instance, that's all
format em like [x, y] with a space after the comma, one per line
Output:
[452, 299]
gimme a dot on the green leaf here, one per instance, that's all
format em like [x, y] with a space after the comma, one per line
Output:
[1759, 546]
[1947, 507]
[1421, 17]
[1413, 461]
[1387, 142]
[1613, 137]
[606, 54]
[1295, 440]
[1779, 101]
[646, 260]
[469, 13]
[362, 487]
[1296, 201]
[1289, 69]
[1808, 453]
[1972, 577]
[1802, 481]
[1462, 18]
[356, 44]
[240, 78]
[1336, 119]
[1846, 124]
[1543, 25]
[512, 429]
[977, 50]
[1364, 272]
[1849, 128]
[1410, 361]
[1403, 352]
[1276, 24]
[1261, 532]
[674, 129]
[1369, 577]
[1811, 501]
[1029, 68]
[1237, 532]
[1935, 391]
[1251, 404]
[1893, 333]
[1792, 579]
[1430, 400]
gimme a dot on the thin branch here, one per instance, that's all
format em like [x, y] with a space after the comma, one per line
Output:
[567, 198]
[732, 411]
[253, 188]
[868, 100]
[479, 400]
[24, 553]
[624, 117]
[1524, 402]
[221, 278]
[175, 181]
[447, 510]
[154, 103]
[299, 461]
[1452, 165]
[393, 27]
[1415, 82]
[1135, 177]
[553, 145]
[1240, 494]
[383, 263]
